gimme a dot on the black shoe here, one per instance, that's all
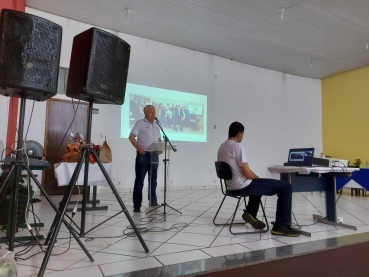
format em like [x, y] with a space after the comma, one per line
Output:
[254, 222]
[284, 231]
[136, 209]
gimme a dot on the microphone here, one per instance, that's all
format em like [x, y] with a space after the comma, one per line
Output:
[156, 119]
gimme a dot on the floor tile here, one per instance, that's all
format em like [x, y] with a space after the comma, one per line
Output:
[182, 257]
[92, 271]
[100, 259]
[59, 262]
[129, 266]
[24, 270]
[203, 229]
[168, 248]
[131, 247]
[158, 237]
[192, 239]
[228, 240]
[262, 244]
[226, 250]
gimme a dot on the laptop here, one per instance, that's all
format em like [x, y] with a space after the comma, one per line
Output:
[300, 157]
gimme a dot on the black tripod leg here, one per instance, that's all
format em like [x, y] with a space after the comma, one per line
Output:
[60, 215]
[74, 179]
[14, 206]
[173, 208]
[70, 228]
[5, 184]
[120, 201]
[86, 192]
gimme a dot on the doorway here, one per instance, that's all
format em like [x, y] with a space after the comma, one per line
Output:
[62, 118]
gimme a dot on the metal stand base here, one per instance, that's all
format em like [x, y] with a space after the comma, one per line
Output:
[163, 205]
[68, 194]
[15, 175]
[321, 219]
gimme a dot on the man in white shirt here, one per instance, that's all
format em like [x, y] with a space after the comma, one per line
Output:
[244, 180]
[147, 131]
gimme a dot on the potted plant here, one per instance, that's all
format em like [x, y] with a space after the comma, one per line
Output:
[357, 163]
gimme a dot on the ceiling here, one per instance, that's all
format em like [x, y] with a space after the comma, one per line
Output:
[315, 38]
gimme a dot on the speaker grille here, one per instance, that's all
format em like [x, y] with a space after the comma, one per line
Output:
[109, 62]
[29, 52]
[99, 67]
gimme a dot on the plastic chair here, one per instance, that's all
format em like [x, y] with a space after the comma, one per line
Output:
[224, 173]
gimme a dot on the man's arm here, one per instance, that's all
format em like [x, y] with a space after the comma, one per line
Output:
[132, 139]
[247, 172]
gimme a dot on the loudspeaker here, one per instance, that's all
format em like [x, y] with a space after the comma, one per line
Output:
[29, 55]
[98, 67]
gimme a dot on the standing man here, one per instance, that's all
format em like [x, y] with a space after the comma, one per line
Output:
[147, 131]
[244, 180]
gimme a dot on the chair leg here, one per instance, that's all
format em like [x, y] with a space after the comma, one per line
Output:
[224, 224]
[251, 232]
[221, 204]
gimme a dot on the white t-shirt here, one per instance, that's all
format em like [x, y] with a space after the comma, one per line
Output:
[232, 152]
[146, 132]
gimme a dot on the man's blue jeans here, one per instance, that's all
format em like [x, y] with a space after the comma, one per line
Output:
[143, 165]
[262, 186]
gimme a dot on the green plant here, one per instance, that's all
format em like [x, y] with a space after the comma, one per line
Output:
[357, 162]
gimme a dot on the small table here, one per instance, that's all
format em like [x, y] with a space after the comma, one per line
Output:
[306, 179]
[64, 171]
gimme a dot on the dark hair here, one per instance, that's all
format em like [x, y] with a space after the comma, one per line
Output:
[235, 128]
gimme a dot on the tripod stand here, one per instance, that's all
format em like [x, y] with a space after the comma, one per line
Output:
[64, 204]
[166, 141]
[15, 174]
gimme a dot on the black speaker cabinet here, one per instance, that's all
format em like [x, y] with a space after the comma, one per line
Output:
[29, 55]
[98, 67]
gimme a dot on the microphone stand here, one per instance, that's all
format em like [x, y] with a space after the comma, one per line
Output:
[166, 141]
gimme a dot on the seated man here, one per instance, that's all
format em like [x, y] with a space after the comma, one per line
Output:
[244, 180]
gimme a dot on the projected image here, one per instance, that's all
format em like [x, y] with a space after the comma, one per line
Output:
[182, 115]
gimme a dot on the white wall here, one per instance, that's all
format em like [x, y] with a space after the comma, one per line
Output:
[279, 111]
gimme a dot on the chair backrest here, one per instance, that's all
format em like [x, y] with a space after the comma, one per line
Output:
[224, 172]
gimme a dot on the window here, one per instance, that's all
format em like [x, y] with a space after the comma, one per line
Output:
[62, 79]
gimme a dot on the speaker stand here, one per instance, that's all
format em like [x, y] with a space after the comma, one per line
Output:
[14, 175]
[66, 199]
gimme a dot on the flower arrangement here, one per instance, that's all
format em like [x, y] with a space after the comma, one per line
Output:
[357, 162]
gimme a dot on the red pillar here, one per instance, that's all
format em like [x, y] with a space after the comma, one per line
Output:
[19, 5]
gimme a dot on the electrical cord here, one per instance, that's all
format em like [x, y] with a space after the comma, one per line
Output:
[29, 123]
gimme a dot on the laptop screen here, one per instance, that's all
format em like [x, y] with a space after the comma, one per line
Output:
[301, 157]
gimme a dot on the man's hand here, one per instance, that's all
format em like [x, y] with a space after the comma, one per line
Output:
[247, 172]
[141, 151]
[159, 152]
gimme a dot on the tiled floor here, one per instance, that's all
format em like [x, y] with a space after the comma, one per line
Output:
[181, 238]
